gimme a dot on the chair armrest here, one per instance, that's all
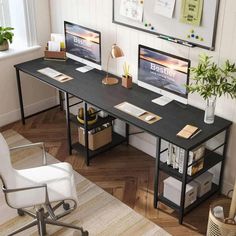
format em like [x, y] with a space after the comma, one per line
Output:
[6, 191]
[30, 145]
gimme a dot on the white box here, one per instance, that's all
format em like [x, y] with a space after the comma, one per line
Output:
[172, 191]
[204, 183]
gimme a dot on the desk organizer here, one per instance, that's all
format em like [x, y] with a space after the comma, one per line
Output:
[55, 55]
[98, 139]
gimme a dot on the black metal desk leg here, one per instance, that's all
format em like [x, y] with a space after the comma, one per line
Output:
[67, 107]
[86, 133]
[61, 100]
[127, 133]
[20, 97]
[227, 133]
[156, 177]
[183, 190]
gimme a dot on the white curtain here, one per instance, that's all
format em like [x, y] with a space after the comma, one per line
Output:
[20, 14]
[4, 13]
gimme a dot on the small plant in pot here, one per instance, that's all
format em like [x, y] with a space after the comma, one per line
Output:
[212, 81]
[6, 36]
[126, 78]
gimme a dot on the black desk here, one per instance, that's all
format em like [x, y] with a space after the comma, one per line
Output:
[89, 88]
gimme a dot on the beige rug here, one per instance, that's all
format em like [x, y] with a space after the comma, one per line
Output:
[98, 212]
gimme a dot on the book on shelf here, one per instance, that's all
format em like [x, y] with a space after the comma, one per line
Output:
[175, 158]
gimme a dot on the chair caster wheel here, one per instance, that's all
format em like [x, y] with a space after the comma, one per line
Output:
[20, 212]
[66, 206]
[85, 233]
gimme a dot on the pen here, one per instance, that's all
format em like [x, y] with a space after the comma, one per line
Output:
[198, 132]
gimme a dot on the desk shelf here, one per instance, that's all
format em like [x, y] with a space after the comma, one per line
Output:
[177, 208]
[100, 121]
[210, 160]
[116, 140]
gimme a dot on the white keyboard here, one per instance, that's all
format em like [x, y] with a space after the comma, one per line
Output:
[131, 109]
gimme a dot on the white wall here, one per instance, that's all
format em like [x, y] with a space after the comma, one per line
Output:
[97, 14]
[36, 95]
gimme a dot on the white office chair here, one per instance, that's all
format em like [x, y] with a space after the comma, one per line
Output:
[38, 187]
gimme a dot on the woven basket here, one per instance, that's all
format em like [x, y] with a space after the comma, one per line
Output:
[218, 227]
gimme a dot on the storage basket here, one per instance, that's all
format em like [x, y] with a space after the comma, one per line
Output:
[218, 227]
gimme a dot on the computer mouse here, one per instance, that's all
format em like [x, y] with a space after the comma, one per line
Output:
[149, 117]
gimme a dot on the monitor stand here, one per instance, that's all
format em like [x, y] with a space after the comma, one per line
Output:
[162, 101]
[84, 69]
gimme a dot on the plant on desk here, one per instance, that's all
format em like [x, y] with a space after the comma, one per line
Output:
[212, 81]
[6, 36]
[126, 78]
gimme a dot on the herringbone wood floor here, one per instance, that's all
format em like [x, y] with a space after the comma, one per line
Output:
[124, 172]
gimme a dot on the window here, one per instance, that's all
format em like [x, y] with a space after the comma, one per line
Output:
[20, 15]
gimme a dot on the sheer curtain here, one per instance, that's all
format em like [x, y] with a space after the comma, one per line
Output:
[20, 14]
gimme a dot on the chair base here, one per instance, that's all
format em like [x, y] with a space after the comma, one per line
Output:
[41, 220]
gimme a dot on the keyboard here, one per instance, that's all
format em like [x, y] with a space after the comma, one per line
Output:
[131, 109]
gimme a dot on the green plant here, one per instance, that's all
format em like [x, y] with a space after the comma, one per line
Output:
[126, 68]
[212, 80]
[6, 34]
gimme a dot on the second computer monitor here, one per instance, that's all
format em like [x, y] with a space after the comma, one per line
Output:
[163, 73]
[83, 44]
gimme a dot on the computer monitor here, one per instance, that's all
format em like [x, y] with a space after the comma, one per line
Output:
[83, 45]
[164, 74]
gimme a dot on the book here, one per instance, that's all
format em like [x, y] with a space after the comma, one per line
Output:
[169, 155]
[194, 155]
[188, 131]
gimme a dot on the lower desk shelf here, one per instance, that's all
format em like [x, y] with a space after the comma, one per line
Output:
[214, 189]
[117, 139]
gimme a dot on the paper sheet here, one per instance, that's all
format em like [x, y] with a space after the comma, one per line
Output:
[132, 9]
[164, 7]
[191, 12]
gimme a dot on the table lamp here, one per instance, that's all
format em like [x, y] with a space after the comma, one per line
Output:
[115, 52]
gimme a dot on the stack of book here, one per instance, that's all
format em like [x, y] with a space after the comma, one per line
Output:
[175, 158]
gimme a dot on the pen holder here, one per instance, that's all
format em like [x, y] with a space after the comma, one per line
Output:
[127, 81]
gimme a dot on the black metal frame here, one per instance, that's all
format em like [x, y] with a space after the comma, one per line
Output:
[216, 188]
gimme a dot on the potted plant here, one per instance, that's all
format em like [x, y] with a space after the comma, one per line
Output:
[212, 81]
[126, 78]
[6, 36]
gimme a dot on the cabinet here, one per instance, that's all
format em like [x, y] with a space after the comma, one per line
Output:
[212, 157]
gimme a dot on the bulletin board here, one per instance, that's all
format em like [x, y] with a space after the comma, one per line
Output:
[151, 17]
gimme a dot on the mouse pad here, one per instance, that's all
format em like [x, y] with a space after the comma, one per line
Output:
[143, 116]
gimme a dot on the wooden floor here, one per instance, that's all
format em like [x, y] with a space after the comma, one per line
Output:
[123, 172]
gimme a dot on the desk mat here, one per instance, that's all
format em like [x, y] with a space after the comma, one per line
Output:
[56, 75]
[142, 117]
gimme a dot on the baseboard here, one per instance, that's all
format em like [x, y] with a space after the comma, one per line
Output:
[13, 116]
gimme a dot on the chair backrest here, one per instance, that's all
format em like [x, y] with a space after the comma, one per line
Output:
[6, 169]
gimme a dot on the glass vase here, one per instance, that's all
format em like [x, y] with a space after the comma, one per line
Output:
[210, 110]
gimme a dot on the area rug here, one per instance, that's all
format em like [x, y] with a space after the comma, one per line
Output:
[98, 212]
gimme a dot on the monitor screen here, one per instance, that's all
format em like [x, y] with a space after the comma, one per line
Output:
[82, 43]
[162, 72]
